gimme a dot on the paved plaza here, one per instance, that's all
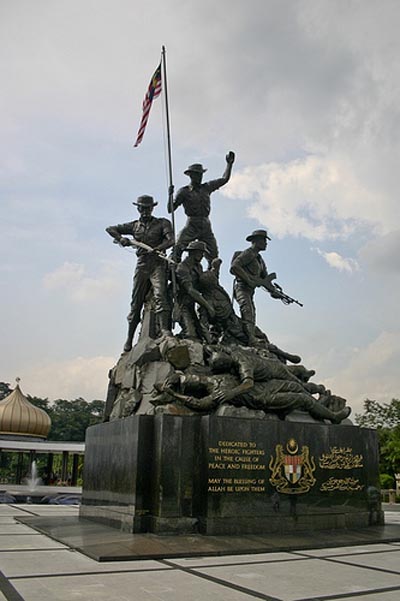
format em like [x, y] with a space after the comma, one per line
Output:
[34, 567]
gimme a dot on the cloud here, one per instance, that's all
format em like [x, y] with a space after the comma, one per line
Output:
[319, 198]
[272, 66]
[71, 278]
[69, 379]
[372, 371]
[336, 261]
[383, 253]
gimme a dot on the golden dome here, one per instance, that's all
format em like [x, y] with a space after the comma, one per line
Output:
[18, 417]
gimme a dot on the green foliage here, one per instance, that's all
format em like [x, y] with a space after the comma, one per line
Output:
[385, 417]
[390, 449]
[8, 467]
[5, 390]
[386, 481]
[41, 403]
[69, 419]
[379, 415]
[9, 463]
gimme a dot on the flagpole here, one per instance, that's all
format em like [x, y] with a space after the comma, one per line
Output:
[170, 182]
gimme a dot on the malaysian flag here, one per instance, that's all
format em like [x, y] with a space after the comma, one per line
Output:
[153, 91]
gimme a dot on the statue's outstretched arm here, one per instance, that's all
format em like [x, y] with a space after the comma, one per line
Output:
[118, 231]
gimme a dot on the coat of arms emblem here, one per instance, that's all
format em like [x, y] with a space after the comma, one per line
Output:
[292, 472]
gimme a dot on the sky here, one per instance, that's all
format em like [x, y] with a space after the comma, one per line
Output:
[306, 93]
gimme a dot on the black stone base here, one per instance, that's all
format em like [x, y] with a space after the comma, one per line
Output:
[103, 543]
[228, 476]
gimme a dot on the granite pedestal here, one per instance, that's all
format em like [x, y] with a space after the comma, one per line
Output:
[229, 476]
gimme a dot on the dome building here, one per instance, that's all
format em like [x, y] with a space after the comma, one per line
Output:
[23, 430]
[19, 419]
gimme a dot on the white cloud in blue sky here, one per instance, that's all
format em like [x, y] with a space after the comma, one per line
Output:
[307, 93]
[336, 260]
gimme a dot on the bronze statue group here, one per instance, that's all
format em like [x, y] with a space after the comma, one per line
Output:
[241, 367]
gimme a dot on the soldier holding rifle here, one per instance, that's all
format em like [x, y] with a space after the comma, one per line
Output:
[152, 236]
[250, 272]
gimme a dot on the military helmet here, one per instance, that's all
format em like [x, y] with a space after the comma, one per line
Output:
[145, 201]
[258, 234]
[196, 245]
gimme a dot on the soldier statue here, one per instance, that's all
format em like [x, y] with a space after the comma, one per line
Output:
[152, 236]
[250, 271]
[188, 273]
[195, 199]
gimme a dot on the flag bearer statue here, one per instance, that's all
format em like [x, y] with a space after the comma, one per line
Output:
[195, 199]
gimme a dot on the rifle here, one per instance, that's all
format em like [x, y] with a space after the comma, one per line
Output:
[276, 291]
[287, 300]
[138, 244]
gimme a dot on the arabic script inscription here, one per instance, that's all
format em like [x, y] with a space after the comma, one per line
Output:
[341, 458]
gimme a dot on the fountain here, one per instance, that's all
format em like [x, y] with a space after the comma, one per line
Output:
[32, 481]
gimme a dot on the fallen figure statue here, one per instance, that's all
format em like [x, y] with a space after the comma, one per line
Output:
[246, 377]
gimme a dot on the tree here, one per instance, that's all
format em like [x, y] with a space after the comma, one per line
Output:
[5, 390]
[41, 403]
[69, 419]
[379, 415]
[385, 417]
[390, 450]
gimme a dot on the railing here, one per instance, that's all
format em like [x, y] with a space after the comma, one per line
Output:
[388, 495]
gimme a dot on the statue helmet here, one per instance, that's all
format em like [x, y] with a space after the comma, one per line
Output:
[195, 168]
[196, 245]
[145, 201]
[258, 234]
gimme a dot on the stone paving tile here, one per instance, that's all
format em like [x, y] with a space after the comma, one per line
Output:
[7, 510]
[388, 596]
[392, 517]
[26, 563]
[15, 528]
[233, 559]
[386, 561]
[303, 579]
[49, 512]
[39, 507]
[49, 506]
[28, 541]
[284, 576]
[8, 519]
[166, 586]
[45, 510]
[336, 551]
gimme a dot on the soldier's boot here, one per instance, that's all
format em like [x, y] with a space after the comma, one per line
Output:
[283, 355]
[164, 323]
[321, 412]
[131, 332]
[341, 415]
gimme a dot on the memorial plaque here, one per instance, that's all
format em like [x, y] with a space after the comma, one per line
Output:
[277, 476]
